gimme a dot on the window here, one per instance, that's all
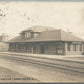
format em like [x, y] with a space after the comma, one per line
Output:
[69, 47]
[83, 47]
[74, 47]
[46, 47]
[27, 34]
[80, 47]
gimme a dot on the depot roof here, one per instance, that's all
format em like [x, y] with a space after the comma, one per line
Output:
[51, 35]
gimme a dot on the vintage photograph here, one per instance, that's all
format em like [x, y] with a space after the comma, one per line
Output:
[41, 42]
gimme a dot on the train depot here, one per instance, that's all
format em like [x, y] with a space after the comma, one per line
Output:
[47, 40]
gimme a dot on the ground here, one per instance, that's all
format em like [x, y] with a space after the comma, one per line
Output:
[32, 67]
[8, 76]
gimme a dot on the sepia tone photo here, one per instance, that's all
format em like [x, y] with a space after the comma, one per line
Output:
[41, 42]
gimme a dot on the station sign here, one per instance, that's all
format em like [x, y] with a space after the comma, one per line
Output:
[76, 42]
[21, 43]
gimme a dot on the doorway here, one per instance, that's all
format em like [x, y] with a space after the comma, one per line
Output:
[60, 49]
[42, 49]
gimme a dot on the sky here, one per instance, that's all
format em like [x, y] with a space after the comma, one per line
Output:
[16, 16]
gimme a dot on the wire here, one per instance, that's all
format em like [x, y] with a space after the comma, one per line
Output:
[77, 33]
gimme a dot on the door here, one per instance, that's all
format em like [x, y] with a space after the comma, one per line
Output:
[42, 49]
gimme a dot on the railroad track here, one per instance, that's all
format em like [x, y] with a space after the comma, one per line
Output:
[54, 66]
[68, 63]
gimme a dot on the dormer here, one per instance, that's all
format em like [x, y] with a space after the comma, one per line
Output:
[28, 34]
[33, 31]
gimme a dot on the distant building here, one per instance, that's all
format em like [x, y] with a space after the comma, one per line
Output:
[47, 40]
[3, 45]
[4, 38]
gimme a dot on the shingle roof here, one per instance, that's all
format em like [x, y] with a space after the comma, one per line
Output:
[53, 35]
[38, 28]
[16, 39]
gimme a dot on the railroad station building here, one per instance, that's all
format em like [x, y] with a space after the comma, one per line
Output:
[47, 40]
[3, 45]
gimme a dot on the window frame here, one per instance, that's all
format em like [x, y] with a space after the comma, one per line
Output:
[69, 47]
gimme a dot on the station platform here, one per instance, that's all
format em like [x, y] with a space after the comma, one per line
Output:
[78, 58]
